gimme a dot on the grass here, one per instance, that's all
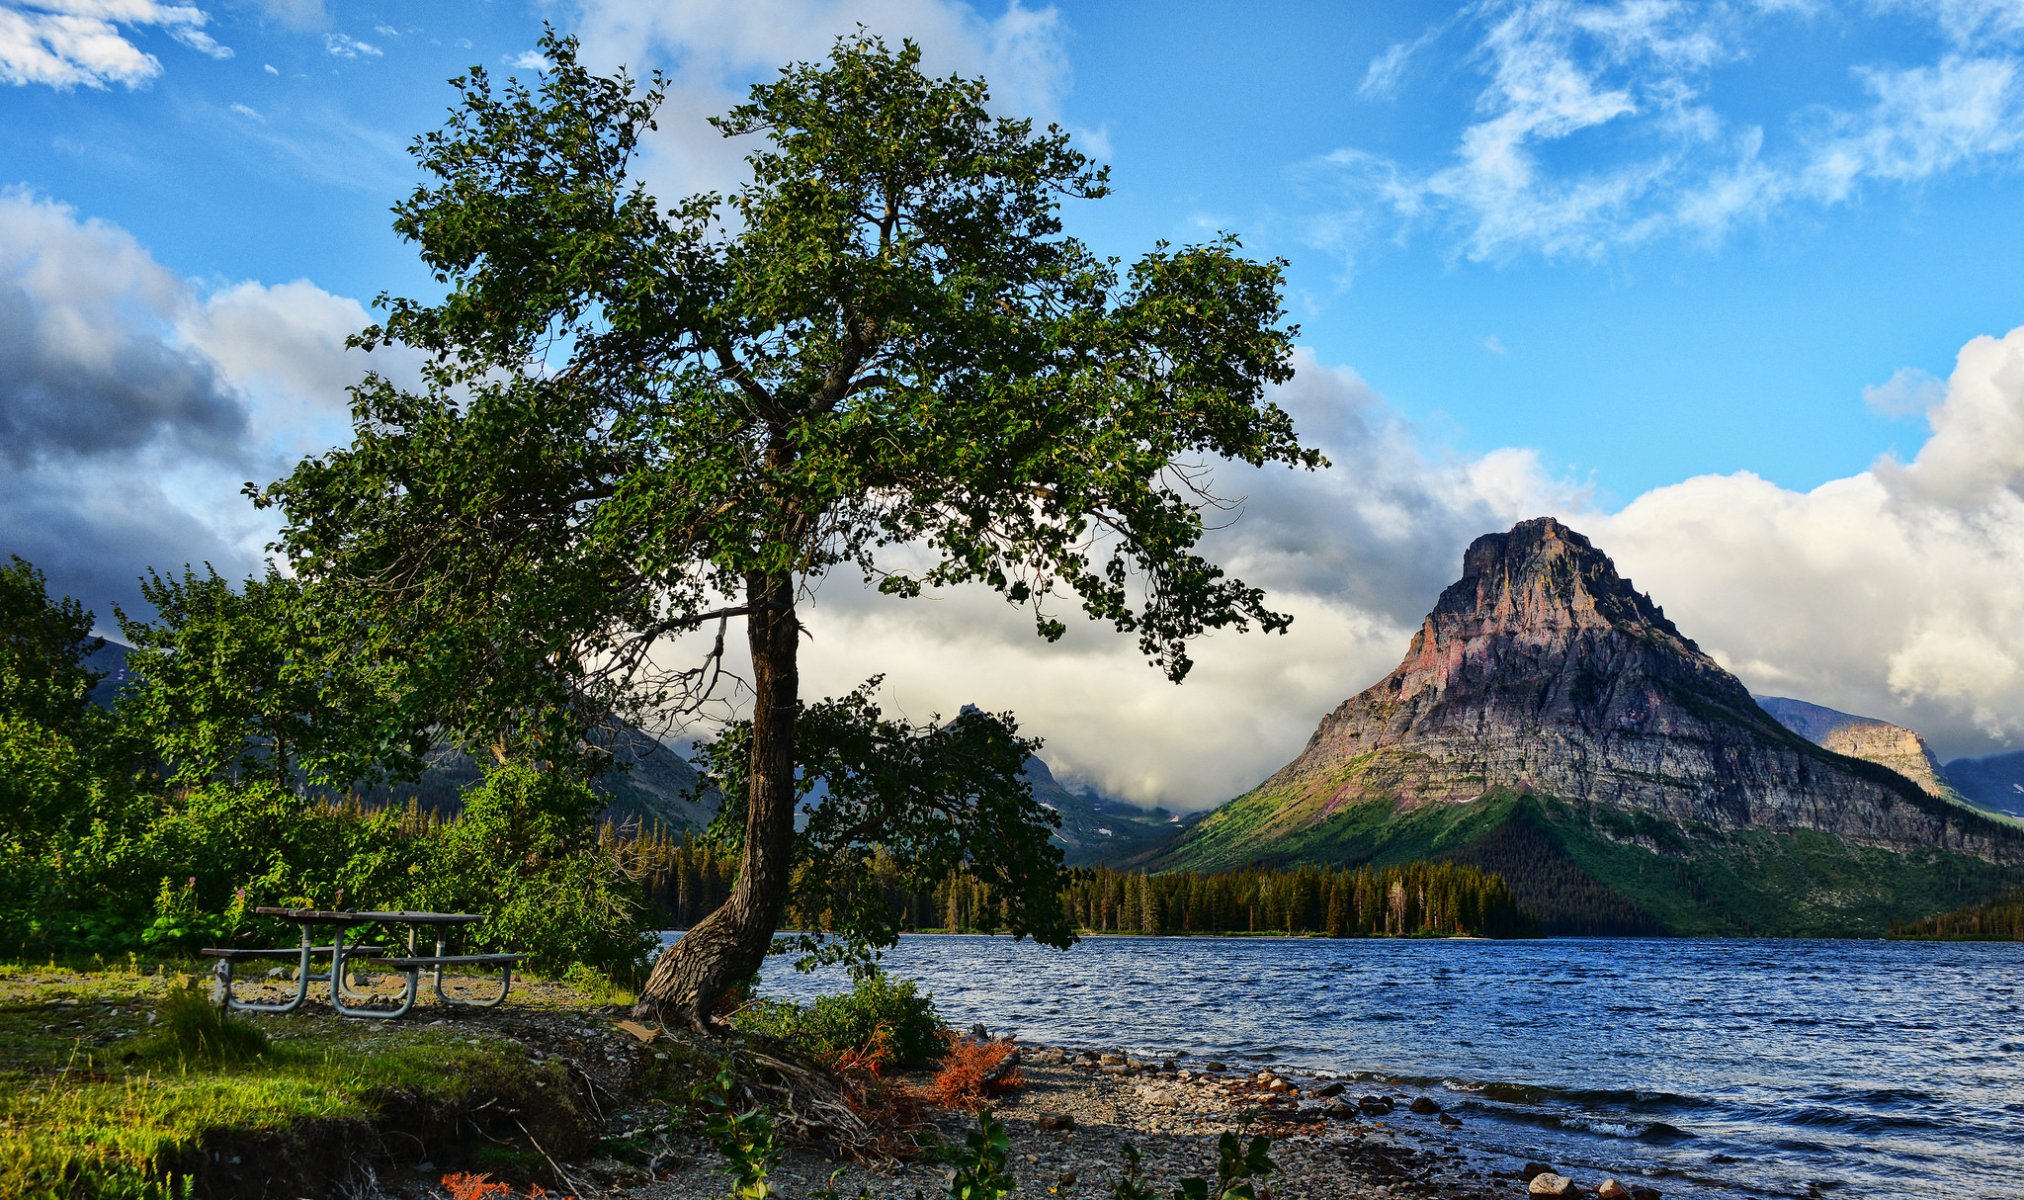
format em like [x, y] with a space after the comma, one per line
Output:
[98, 1101]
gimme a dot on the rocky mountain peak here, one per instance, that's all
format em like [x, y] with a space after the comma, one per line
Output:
[1543, 670]
[1542, 577]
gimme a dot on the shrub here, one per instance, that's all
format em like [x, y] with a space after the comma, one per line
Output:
[880, 1022]
[193, 1029]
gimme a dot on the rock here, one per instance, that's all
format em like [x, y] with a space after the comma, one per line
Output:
[1340, 1111]
[1533, 1170]
[1329, 1090]
[277, 973]
[1644, 1193]
[1424, 1105]
[1546, 1183]
[1111, 1060]
[1214, 1066]
[1114, 1069]
[1449, 1121]
[1610, 1189]
[1057, 1122]
[1375, 1106]
[1169, 1065]
[979, 1032]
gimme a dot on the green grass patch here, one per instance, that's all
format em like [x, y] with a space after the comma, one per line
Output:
[98, 1101]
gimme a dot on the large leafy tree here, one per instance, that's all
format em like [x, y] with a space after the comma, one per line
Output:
[641, 421]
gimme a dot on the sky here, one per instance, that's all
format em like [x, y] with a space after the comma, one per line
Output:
[1733, 288]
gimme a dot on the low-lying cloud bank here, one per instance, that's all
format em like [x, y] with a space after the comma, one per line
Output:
[134, 403]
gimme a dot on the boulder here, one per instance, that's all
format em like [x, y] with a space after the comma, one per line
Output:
[1376, 1106]
[1330, 1090]
[1546, 1183]
[1610, 1189]
[1532, 1170]
[1214, 1066]
[1340, 1111]
[1058, 1122]
[1644, 1193]
[1424, 1105]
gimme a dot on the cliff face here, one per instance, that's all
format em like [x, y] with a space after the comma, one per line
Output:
[1887, 745]
[1543, 670]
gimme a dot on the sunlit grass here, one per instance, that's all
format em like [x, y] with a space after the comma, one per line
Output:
[98, 1101]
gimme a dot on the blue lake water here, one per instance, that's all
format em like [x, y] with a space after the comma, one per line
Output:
[1776, 1068]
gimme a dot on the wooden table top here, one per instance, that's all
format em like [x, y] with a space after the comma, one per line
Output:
[326, 916]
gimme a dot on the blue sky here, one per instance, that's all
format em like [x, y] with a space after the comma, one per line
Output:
[1705, 280]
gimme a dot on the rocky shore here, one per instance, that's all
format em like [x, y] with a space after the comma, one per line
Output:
[1331, 1139]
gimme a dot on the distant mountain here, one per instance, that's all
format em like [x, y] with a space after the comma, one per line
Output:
[1995, 782]
[1867, 738]
[1096, 828]
[1550, 723]
[651, 784]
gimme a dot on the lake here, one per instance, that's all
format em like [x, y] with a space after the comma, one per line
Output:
[1779, 1068]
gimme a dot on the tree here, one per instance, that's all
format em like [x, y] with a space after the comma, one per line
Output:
[232, 684]
[49, 728]
[44, 645]
[643, 421]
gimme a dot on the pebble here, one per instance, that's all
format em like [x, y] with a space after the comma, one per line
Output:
[1546, 1183]
[1610, 1189]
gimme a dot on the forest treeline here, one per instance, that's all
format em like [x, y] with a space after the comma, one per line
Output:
[1998, 920]
[687, 878]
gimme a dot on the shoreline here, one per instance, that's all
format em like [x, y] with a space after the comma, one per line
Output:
[1332, 1139]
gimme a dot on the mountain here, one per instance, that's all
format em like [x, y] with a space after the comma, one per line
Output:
[1995, 782]
[651, 784]
[1096, 828]
[1550, 723]
[1867, 738]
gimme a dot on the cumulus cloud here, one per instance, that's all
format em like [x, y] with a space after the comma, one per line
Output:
[1602, 126]
[1893, 593]
[135, 404]
[716, 52]
[71, 43]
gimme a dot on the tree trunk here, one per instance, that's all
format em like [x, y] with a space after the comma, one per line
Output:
[726, 948]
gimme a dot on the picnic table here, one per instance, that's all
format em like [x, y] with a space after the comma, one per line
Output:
[340, 922]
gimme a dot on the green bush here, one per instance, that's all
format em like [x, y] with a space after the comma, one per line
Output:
[526, 854]
[879, 1022]
[193, 1029]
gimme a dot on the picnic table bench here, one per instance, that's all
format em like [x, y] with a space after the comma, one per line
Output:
[411, 965]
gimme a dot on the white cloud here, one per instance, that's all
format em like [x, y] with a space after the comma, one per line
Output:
[1602, 126]
[71, 43]
[530, 60]
[341, 45]
[1496, 346]
[247, 111]
[1909, 392]
[715, 52]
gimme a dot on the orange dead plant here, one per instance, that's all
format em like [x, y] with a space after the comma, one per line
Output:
[973, 1071]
